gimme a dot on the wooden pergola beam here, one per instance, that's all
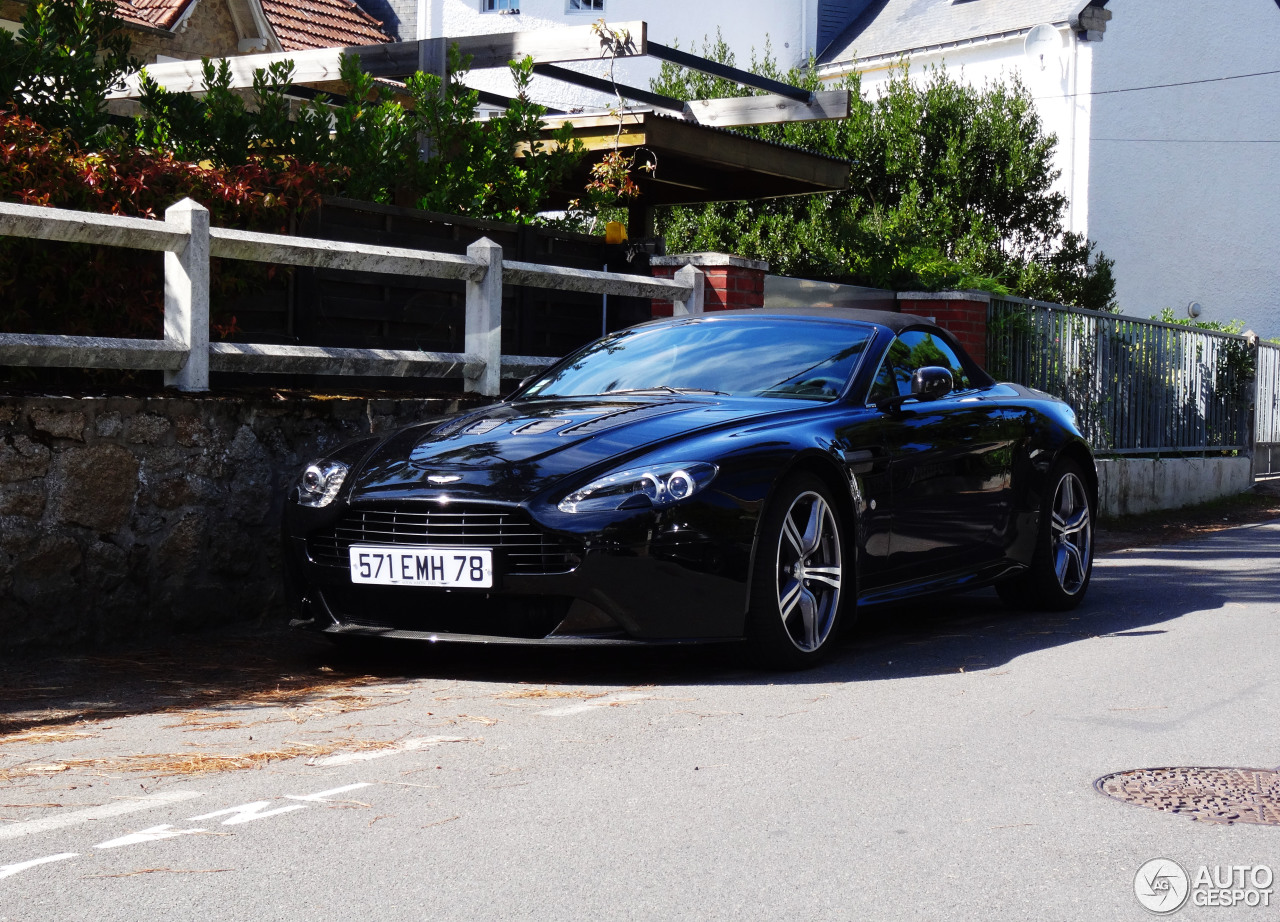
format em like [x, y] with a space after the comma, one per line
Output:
[770, 109]
[716, 69]
[320, 68]
[600, 85]
[399, 59]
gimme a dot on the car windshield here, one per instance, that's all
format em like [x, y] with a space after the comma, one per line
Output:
[756, 357]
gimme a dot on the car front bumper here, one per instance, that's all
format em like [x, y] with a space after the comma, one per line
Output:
[679, 575]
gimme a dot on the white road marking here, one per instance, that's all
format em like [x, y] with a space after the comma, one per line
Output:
[347, 758]
[242, 814]
[321, 797]
[8, 870]
[132, 805]
[154, 834]
[247, 813]
[594, 703]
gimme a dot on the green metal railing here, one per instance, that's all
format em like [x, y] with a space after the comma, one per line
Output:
[1138, 386]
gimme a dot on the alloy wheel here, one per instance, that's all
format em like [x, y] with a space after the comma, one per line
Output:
[809, 571]
[1072, 534]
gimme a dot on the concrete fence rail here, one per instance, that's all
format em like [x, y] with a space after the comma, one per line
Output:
[186, 356]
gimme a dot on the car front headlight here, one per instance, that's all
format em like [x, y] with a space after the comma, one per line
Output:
[639, 487]
[320, 483]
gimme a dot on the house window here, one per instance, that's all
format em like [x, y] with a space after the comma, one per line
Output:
[586, 6]
[499, 6]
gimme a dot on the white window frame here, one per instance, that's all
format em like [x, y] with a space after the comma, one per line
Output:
[584, 6]
[499, 6]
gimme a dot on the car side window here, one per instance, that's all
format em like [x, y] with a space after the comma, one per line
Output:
[908, 352]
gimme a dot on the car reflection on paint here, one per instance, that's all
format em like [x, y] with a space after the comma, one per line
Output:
[746, 475]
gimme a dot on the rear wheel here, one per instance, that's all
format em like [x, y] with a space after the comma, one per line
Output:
[798, 586]
[1063, 562]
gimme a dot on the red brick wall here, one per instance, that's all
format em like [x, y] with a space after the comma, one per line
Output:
[726, 288]
[965, 320]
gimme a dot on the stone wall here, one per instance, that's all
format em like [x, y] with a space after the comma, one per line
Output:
[125, 516]
[208, 32]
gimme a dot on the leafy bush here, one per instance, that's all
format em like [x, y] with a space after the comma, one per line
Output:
[108, 291]
[950, 186]
[61, 64]
[375, 138]
[70, 53]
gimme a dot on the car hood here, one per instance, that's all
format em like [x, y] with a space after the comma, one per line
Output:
[509, 452]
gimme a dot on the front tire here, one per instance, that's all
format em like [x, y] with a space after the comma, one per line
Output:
[1063, 562]
[798, 584]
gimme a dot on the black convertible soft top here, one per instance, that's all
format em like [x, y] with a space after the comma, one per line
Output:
[894, 321]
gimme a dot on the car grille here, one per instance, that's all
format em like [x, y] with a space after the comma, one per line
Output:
[525, 547]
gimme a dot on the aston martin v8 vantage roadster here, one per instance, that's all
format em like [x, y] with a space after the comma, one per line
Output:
[745, 475]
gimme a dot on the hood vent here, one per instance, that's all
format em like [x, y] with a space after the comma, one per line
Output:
[485, 425]
[454, 426]
[621, 417]
[541, 425]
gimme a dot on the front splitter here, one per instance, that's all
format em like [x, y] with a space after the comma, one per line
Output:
[564, 640]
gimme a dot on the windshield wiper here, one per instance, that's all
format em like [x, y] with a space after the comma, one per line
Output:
[666, 389]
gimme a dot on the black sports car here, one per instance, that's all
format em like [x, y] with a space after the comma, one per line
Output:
[755, 475]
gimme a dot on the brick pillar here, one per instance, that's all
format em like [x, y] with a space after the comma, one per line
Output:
[963, 314]
[732, 282]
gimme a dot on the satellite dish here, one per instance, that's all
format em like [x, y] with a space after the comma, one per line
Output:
[1042, 45]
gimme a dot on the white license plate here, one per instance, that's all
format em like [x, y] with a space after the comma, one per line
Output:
[385, 565]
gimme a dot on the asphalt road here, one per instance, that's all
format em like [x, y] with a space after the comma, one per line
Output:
[940, 767]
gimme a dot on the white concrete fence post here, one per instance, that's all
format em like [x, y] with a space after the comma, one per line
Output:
[1255, 394]
[186, 295]
[695, 277]
[484, 319]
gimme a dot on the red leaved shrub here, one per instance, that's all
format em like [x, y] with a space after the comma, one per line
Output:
[80, 289]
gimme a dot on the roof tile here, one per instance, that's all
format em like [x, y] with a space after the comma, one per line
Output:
[304, 24]
[159, 14]
[299, 24]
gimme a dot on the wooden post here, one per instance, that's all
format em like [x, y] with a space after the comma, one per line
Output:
[640, 221]
[690, 275]
[484, 319]
[186, 295]
[433, 58]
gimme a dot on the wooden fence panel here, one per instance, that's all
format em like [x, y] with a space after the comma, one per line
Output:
[378, 311]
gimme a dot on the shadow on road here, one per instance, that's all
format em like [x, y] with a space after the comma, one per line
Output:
[1134, 594]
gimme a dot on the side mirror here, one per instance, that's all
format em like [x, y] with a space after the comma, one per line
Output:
[928, 383]
[931, 382]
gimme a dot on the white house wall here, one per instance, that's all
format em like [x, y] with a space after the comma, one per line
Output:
[1182, 194]
[1177, 185]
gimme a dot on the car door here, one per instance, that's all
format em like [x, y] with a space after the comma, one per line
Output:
[950, 463]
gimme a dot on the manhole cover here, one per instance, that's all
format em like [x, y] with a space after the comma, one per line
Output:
[1211, 795]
